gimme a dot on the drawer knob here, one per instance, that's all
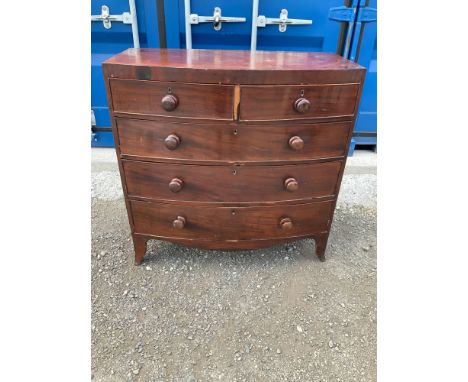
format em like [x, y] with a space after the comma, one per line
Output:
[296, 143]
[179, 223]
[302, 105]
[291, 184]
[176, 184]
[169, 102]
[172, 141]
[286, 223]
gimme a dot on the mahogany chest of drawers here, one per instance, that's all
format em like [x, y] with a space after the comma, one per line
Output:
[231, 149]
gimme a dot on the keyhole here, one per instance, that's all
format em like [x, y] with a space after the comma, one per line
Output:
[234, 172]
[169, 90]
[302, 93]
[233, 212]
[236, 132]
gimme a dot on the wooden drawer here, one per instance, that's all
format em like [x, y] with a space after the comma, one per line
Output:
[231, 184]
[233, 143]
[264, 103]
[230, 223]
[191, 100]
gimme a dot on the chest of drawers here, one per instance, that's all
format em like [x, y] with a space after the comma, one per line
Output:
[231, 149]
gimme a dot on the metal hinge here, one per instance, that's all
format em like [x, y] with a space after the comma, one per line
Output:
[106, 17]
[342, 14]
[282, 21]
[217, 19]
[366, 14]
[348, 15]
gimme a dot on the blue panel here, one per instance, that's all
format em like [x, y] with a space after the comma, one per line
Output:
[98, 91]
[109, 42]
[102, 139]
[322, 35]
[367, 56]
[172, 9]
[352, 146]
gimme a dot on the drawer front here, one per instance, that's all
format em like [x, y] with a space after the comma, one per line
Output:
[230, 223]
[264, 103]
[240, 143]
[231, 184]
[172, 99]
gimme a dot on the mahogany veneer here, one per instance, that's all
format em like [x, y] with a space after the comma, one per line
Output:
[230, 142]
[231, 184]
[188, 100]
[231, 149]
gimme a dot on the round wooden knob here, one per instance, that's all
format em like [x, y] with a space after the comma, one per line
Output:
[172, 141]
[179, 223]
[302, 105]
[286, 223]
[296, 143]
[176, 184]
[291, 184]
[169, 102]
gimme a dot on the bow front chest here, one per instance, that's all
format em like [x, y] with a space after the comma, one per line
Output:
[231, 149]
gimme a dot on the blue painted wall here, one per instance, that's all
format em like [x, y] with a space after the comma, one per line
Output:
[322, 35]
[106, 43]
[364, 51]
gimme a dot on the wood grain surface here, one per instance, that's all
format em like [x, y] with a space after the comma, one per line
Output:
[234, 66]
[229, 223]
[225, 245]
[230, 184]
[277, 102]
[231, 143]
[194, 101]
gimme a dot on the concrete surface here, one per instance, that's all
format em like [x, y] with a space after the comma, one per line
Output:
[275, 314]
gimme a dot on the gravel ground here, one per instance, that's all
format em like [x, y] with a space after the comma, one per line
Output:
[274, 314]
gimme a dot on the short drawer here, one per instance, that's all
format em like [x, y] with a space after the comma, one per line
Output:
[230, 223]
[172, 99]
[264, 103]
[224, 142]
[231, 184]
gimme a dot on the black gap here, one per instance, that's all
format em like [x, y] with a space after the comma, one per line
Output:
[161, 24]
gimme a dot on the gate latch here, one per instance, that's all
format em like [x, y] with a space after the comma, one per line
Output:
[106, 17]
[216, 19]
[283, 21]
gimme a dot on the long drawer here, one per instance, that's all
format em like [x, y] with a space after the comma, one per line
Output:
[234, 143]
[231, 184]
[172, 99]
[295, 102]
[229, 223]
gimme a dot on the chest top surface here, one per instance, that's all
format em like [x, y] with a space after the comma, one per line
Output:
[233, 66]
